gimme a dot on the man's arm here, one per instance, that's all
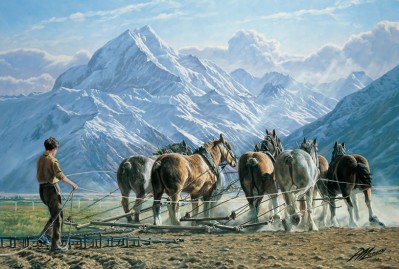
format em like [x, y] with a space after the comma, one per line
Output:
[70, 183]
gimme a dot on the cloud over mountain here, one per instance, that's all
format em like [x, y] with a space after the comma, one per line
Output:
[375, 52]
[31, 70]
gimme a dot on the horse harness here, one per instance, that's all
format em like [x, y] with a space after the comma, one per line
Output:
[207, 156]
[264, 148]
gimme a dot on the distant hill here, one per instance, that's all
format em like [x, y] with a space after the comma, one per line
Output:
[368, 122]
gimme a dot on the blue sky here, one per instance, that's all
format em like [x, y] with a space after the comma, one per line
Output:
[301, 27]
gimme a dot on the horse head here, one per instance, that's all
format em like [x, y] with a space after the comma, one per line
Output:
[226, 151]
[271, 143]
[310, 146]
[339, 150]
[180, 148]
[185, 150]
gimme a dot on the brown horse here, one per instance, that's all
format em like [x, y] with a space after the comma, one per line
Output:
[256, 173]
[134, 173]
[196, 174]
[322, 165]
[348, 175]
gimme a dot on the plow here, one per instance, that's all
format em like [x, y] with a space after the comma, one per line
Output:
[85, 241]
[105, 236]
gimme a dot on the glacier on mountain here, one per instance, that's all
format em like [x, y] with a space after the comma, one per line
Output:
[135, 95]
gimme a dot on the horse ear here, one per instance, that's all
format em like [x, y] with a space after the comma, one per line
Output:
[267, 132]
[221, 138]
[184, 143]
[304, 140]
[343, 145]
[274, 132]
[336, 144]
[314, 141]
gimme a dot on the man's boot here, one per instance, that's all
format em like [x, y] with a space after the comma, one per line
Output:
[136, 217]
[44, 240]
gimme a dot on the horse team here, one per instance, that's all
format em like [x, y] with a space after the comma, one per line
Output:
[299, 174]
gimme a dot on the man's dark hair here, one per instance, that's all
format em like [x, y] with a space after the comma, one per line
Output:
[51, 143]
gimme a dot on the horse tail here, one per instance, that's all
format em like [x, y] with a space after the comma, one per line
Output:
[156, 180]
[251, 163]
[122, 173]
[126, 166]
[363, 174]
[288, 161]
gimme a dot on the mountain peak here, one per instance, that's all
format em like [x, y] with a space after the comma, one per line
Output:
[273, 91]
[146, 29]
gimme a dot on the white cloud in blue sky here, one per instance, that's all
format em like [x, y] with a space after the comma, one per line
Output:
[65, 29]
[300, 26]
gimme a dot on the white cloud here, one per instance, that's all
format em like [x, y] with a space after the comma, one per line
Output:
[12, 86]
[375, 52]
[246, 49]
[25, 70]
[299, 14]
[102, 14]
[166, 16]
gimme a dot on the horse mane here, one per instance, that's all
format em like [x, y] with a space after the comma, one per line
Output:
[173, 148]
[209, 144]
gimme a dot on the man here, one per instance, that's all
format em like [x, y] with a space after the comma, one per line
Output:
[48, 175]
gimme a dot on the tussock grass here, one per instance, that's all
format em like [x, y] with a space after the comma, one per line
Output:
[28, 217]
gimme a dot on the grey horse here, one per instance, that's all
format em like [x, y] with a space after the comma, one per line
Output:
[296, 174]
[134, 173]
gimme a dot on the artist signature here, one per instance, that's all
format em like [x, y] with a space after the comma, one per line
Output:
[365, 253]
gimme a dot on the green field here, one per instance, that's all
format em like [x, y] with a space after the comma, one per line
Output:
[23, 217]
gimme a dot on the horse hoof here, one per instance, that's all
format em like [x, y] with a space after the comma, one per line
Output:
[286, 225]
[276, 217]
[334, 223]
[314, 228]
[374, 221]
[295, 219]
[353, 225]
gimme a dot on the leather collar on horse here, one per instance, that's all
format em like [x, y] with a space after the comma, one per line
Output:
[264, 148]
[208, 157]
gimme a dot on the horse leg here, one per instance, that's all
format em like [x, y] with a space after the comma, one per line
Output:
[355, 205]
[195, 208]
[208, 205]
[302, 209]
[323, 215]
[158, 191]
[251, 202]
[125, 203]
[138, 203]
[174, 209]
[252, 210]
[257, 203]
[291, 216]
[156, 207]
[372, 218]
[349, 204]
[309, 210]
[274, 206]
[321, 187]
[333, 219]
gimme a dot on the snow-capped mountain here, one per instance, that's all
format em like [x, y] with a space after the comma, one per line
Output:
[293, 102]
[368, 122]
[338, 89]
[137, 94]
